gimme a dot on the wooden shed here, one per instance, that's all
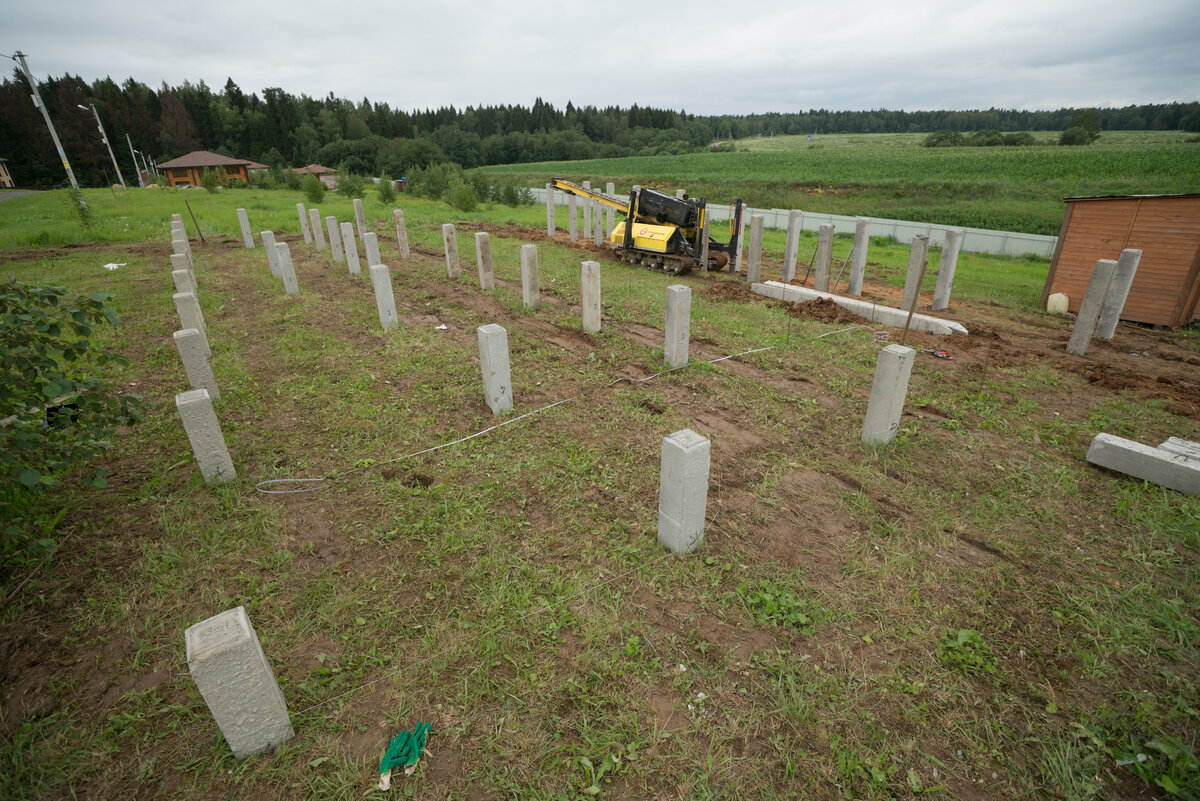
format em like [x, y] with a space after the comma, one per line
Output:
[1166, 228]
[188, 170]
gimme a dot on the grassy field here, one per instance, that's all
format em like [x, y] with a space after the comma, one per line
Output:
[970, 612]
[892, 176]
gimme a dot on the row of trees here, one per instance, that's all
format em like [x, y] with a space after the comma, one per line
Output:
[281, 129]
[1083, 128]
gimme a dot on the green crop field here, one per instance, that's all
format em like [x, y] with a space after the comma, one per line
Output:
[891, 175]
[972, 611]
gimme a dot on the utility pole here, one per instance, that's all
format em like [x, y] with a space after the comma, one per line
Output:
[141, 184]
[37, 101]
[145, 163]
[104, 139]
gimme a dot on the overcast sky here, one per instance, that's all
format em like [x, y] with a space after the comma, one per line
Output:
[733, 57]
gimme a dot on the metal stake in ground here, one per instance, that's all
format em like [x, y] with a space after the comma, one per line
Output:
[916, 299]
[199, 233]
[837, 280]
[810, 264]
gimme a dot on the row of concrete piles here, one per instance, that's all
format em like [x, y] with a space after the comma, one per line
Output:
[224, 655]
[191, 341]
[196, 406]
[821, 265]
[223, 652]
[883, 411]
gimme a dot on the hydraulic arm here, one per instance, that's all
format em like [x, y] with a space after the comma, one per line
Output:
[661, 231]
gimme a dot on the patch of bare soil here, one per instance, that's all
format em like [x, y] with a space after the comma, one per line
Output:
[731, 291]
[826, 311]
[1137, 359]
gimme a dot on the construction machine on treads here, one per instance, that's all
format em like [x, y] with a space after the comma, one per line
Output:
[663, 232]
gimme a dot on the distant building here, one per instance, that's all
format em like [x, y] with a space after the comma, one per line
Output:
[327, 175]
[6, 180]
[186, 170]
[254, 166]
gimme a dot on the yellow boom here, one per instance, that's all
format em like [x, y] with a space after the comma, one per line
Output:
[566, 186]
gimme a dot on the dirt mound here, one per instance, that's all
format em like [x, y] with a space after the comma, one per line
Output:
[728, 290]
[825, 311]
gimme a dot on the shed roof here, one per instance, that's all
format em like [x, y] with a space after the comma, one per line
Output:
[202, 158]
[1127, 197]
[315, 169]
[254, 165]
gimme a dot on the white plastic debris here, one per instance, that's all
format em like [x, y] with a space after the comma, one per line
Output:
[112, 266]
[441, 327]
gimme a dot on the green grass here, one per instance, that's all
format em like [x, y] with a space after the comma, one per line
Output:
[846, 630]
[892, 176]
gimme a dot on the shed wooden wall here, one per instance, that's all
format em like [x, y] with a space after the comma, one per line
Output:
[1165, 229]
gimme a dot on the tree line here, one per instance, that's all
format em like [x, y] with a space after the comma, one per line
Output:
[285, 130]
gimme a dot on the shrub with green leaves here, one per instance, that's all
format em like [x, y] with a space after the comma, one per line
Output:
[434, 181]
[479, 183]
[387, 189]
[964, 651]
[1077, 136]
[1019, 139]
[349, 184]
[314, 188]
[510, 194]
[55, 418]
[210, 181]
[292, 180]
[461, 195]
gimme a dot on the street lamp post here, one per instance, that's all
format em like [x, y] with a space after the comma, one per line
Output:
[104, 139]
[19, 57]
[141, 184]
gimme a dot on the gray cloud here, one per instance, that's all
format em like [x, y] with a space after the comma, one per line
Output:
[718, 58]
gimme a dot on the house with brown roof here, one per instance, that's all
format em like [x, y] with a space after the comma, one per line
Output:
[186, 170]
[316, 169]
[328, 175]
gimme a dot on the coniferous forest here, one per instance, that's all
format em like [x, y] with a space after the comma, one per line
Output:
[284, 130]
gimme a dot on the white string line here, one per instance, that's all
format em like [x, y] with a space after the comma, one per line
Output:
[320, 482]
[692, 543]
[878, 336]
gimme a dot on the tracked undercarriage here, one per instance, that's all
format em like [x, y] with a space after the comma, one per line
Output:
[670, 263]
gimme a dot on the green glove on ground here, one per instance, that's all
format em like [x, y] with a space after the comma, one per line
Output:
[404, 749]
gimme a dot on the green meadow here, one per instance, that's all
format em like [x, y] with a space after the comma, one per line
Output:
[892, 176]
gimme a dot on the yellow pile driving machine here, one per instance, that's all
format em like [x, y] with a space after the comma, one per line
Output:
[663, 232]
